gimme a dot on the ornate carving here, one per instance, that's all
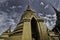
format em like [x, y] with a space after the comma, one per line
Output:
[39, 20]
[26, 20]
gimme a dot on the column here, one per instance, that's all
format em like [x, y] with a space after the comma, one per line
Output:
[42, 30]
[27, 31]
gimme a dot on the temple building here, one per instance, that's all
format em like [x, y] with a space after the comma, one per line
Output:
[31, 27]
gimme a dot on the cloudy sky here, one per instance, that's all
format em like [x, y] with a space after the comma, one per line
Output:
[12, 10]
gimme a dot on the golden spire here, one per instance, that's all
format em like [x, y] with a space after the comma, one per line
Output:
[28, 8]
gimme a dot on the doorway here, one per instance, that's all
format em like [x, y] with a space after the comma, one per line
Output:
[34, 29]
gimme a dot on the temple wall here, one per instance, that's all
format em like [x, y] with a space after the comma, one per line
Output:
[16, 37]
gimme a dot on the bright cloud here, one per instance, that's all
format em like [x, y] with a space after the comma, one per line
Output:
[41, 3]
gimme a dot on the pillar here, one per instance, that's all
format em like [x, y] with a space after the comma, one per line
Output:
[27, 31]
[42, 30]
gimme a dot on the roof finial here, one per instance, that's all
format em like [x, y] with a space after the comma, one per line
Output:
[28, 8]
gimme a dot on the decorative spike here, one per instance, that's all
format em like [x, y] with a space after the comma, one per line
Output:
[28, 8]
[54, 8]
